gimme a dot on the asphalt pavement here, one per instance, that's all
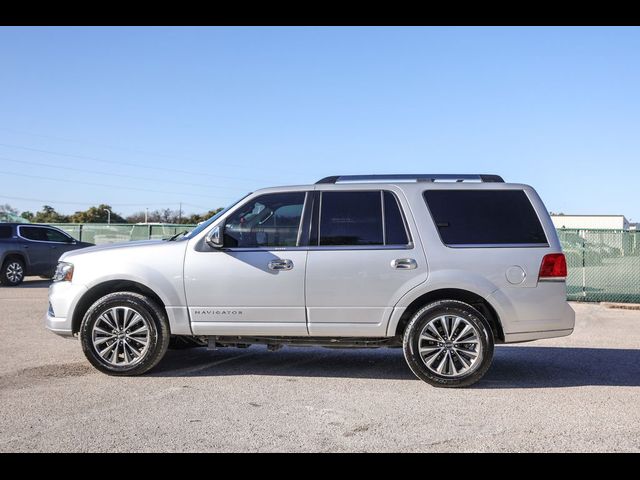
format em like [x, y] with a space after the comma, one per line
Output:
[578, 393]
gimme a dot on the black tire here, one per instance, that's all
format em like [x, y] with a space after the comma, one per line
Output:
[12, 273]
[485, 345]
[155, 319]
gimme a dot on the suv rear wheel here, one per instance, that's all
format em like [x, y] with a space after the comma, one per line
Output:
[448, 343]
[12, 273]
[124, 333]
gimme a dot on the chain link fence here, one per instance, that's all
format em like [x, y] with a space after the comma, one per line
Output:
[99, 233]
[604, 265]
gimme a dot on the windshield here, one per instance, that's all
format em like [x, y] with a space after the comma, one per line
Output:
[206, 223]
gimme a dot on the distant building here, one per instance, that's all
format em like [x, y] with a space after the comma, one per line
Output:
[592, 222]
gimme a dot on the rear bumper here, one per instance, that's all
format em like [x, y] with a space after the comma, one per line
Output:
[534, 313]
[529, 336]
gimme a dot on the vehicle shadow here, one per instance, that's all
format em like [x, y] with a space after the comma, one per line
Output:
[39, 283]
[513, 366]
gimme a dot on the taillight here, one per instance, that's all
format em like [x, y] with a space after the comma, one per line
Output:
[553, 267]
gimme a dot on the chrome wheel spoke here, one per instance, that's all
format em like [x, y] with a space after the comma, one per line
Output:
[455, 326]
[449, 346]
[139, 340]
[426, 350]
[140, 331]
[471, 340]
[462, 359]
[103, 353]
[442, 363]
[134, 352]
[100, 341]
[113, 341]
[426, 336]
[445, 328]
[470, 353]
[433, 329]
[463, 332]
[127, 358]
[107, 321]
[452, 363]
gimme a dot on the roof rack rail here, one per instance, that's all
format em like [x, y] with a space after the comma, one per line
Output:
[407, 177]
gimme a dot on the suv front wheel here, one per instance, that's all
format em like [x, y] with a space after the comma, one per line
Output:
[448, 343]
[124, 333]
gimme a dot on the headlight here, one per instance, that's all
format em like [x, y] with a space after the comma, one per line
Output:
[64, 272]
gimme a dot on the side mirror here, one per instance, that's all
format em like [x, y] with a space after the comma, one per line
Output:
[214, 237]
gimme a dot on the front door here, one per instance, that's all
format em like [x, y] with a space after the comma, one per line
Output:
[59, 243]
[362, 262]
[255, 284]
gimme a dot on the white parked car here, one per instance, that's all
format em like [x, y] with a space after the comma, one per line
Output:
[444, 266]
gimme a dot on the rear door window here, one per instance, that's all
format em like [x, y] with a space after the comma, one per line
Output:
[485, 217]
[351, 218]
[361, 218]
[34, 233]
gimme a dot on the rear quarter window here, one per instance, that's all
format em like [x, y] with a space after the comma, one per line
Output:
[485, 217]
[6, 231]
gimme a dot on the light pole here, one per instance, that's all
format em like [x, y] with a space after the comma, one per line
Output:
[108, 216]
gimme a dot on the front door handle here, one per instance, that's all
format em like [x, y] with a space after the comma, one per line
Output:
[280, 264]
[404, 263]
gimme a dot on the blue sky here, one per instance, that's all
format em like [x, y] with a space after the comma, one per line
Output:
[156, 116]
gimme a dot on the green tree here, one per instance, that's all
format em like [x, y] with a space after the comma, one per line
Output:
[200, 217]
[28, 216]
[7, 212]
[96, 214]
[48, 214]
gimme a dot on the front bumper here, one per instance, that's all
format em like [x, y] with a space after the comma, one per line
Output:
[63, 298]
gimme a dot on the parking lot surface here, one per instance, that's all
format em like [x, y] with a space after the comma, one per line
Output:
[578, 393]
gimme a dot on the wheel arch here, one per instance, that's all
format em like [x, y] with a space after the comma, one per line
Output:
[475, 300]
[104, 288]
[14, 254]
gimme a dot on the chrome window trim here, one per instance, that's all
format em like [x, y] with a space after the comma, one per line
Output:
[497, 245]
[19, 235]
[384, 227]
[319, 248]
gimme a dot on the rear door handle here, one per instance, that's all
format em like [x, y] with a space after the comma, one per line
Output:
[404, 264]
[280, 264]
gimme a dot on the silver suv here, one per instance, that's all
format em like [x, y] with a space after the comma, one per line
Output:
[444, 266]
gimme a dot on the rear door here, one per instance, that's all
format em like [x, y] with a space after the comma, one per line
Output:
[361, 261]
[34, 244]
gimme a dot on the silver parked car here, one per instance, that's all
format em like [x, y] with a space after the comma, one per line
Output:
[444, 266]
